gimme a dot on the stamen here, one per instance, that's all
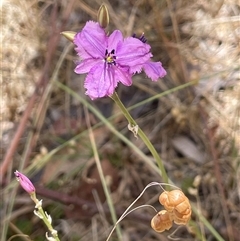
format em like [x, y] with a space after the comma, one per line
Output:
[110, 57]
[141, 38]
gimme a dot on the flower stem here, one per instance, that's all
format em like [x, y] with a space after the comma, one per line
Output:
[142, 135]
[45, 217]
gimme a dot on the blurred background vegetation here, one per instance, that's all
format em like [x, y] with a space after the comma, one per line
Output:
[191, 117]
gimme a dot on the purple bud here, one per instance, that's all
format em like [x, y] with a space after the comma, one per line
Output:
[25, 182]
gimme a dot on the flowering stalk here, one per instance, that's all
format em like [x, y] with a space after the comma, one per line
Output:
[110, 59]
[30, 189]
[142, 135]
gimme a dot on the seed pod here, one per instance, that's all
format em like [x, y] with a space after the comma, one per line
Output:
[182, 218]
[177, 203]
[162, 221]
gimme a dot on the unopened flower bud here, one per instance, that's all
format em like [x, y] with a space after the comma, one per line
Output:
[25, 182]
[103, 16]
[69, 35]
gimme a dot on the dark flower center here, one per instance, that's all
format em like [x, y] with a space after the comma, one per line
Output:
[110, 57]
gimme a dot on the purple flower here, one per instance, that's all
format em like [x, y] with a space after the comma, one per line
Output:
[25, 182]
[111, 59]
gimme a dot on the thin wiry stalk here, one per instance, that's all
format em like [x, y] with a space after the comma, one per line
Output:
[102, 177]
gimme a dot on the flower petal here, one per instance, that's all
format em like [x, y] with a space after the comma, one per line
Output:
[100, 81]
[85, 66]
[114, 40]
[154, 70]
[123, 76]
[132, 52]
[91, 41]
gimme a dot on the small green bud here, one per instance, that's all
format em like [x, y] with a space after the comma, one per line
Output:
[69, 35]
[103, 16]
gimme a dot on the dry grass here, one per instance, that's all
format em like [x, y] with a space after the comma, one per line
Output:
[195, 129]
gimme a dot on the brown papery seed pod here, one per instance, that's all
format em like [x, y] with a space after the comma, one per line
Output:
[171, 200]
[182, 218]
[178, 204]
[162, 221]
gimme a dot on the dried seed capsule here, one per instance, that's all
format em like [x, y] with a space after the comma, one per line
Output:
[181, 218]
[177, 203]
[162, 221]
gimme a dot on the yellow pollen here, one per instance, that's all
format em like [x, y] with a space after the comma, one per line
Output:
[109, 59]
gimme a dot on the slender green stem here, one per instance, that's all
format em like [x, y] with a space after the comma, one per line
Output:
[44, 216]
[102, 177]
[206, 223]
[142, 135]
